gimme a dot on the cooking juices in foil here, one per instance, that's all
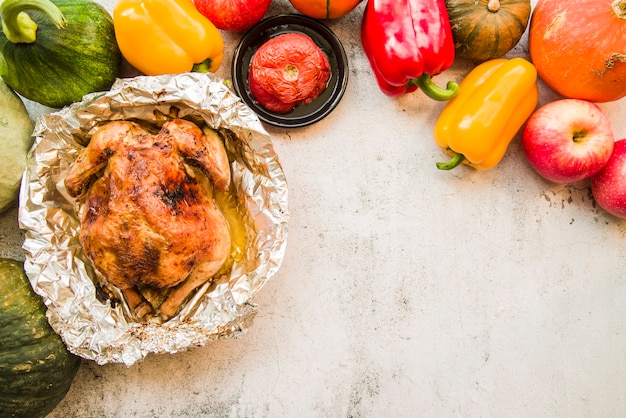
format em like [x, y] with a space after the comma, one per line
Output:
[91, 316]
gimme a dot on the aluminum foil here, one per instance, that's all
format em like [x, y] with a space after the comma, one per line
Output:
[102, 328]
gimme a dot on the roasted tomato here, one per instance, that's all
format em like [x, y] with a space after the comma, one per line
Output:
[287, 71]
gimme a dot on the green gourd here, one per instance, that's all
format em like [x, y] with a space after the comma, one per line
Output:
[36, 370]
[486, 29]
[16, 129]
[54, 53]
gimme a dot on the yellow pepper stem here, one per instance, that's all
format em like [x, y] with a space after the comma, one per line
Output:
[454, 161]
[430, 89]
[203, 67]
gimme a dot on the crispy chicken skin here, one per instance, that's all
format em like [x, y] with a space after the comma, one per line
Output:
[150, 219]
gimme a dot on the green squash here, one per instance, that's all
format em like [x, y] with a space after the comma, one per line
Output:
[71, 52]
[36, 370]
[16, 129]
[487, 29]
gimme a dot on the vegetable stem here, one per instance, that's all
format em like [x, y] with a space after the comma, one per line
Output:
[619, 7]
[202, 67]
[17, 25]
[454, 161]
[493, 6]
[430, 89]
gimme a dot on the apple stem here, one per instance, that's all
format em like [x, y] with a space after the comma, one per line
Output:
[454, 161]
[578, 135]
[619, 7]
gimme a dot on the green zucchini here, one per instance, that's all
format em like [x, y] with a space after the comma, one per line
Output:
[71, 52]
[36, 369]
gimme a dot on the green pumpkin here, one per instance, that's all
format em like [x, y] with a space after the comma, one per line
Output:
[57, 66]
[486, 29]
[36, 370]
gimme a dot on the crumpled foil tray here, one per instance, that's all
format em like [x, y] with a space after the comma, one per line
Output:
[94, 327]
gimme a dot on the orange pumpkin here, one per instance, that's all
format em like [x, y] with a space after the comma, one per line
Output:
[325, 9]
[579, 47]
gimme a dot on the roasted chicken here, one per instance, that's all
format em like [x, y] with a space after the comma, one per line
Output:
[150, 218]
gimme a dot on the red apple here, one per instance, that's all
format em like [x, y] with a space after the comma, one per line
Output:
[233, 15]
[608, 186]
[568, 140]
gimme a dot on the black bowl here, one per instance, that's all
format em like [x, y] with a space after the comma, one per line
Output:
[301, 115]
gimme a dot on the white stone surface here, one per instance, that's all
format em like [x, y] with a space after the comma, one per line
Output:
[405, 291]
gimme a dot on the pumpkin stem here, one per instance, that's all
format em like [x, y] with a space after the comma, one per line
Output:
[493, 6]
[17, 25]
[619, 7]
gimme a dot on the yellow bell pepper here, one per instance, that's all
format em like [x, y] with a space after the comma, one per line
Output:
[167, 37]
[495, 100]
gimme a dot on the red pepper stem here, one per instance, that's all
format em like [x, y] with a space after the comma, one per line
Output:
[430, 89]
[454, 161]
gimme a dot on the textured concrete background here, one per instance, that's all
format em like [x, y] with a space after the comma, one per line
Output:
[405, 291]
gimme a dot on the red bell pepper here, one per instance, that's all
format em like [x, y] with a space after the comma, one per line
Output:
[407, 42]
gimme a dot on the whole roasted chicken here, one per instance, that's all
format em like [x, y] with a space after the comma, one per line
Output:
[150, 218]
